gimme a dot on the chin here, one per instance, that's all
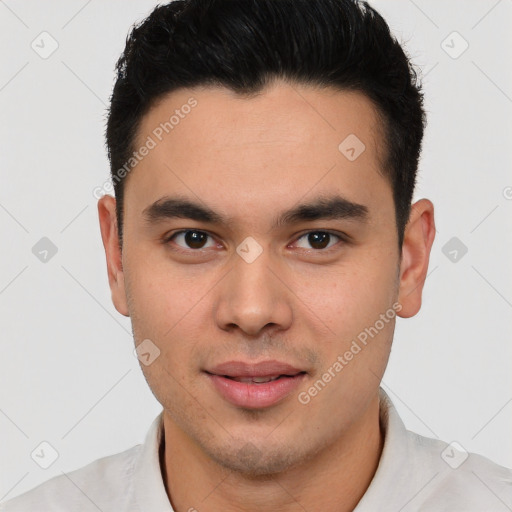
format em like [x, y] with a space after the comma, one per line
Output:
[252, 461]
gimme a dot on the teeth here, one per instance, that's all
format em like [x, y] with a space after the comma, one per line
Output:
[264, 379]
[256, 380]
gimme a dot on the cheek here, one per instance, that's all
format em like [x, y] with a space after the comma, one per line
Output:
[358, 307]
[166, 308]
[164, 297]
[349, 297]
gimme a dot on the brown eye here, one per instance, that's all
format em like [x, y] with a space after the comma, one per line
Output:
[190, 239]
[319, 240]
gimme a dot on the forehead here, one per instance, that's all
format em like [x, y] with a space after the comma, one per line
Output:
[255, 152]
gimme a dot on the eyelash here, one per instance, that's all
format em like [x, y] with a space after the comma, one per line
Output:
[342, 238]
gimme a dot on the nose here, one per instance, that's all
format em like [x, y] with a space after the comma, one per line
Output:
[252, 298]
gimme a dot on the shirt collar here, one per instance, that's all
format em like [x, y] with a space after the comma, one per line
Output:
[391, 476]
[150, 494]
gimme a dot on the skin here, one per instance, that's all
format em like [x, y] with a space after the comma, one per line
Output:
[250, 159]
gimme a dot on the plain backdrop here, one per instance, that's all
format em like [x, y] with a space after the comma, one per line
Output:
[68, 375]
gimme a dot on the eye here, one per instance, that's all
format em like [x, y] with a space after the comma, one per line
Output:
[319, 240]
[191, 239]
[195, 240]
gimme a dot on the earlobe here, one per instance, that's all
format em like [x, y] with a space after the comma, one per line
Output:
[110, 238]
[418, 239]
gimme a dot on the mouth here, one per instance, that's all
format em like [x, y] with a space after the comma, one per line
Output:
[260, 380]
[255, 386]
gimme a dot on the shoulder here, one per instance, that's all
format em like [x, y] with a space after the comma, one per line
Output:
[455, 479]
[103, 484]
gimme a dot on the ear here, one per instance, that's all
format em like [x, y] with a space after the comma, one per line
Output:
[110, 237]
[418, 239]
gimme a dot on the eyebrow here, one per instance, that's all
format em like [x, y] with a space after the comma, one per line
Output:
[321, 208]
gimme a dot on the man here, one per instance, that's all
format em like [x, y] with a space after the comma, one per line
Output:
[262, 241]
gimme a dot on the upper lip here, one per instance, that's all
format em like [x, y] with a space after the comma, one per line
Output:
[261, 369]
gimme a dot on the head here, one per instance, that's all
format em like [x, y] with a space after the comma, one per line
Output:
[264, 157]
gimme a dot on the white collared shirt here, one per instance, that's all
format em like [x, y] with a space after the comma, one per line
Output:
[415, 473]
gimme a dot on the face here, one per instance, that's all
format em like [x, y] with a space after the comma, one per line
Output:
[279, 261]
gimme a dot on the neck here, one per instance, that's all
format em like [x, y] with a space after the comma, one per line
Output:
[334, 479]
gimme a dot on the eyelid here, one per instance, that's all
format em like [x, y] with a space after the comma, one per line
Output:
[341, 236]
[168, 238]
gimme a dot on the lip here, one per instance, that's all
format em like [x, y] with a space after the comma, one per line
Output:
[261, 369]
[252, 395]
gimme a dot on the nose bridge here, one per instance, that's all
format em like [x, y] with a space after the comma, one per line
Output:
[252, 282]
[251, 296]
[253, 276]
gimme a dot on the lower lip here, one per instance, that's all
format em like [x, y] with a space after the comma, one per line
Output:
[255, 396]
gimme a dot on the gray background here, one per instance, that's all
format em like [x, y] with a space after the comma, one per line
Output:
[68, 375]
